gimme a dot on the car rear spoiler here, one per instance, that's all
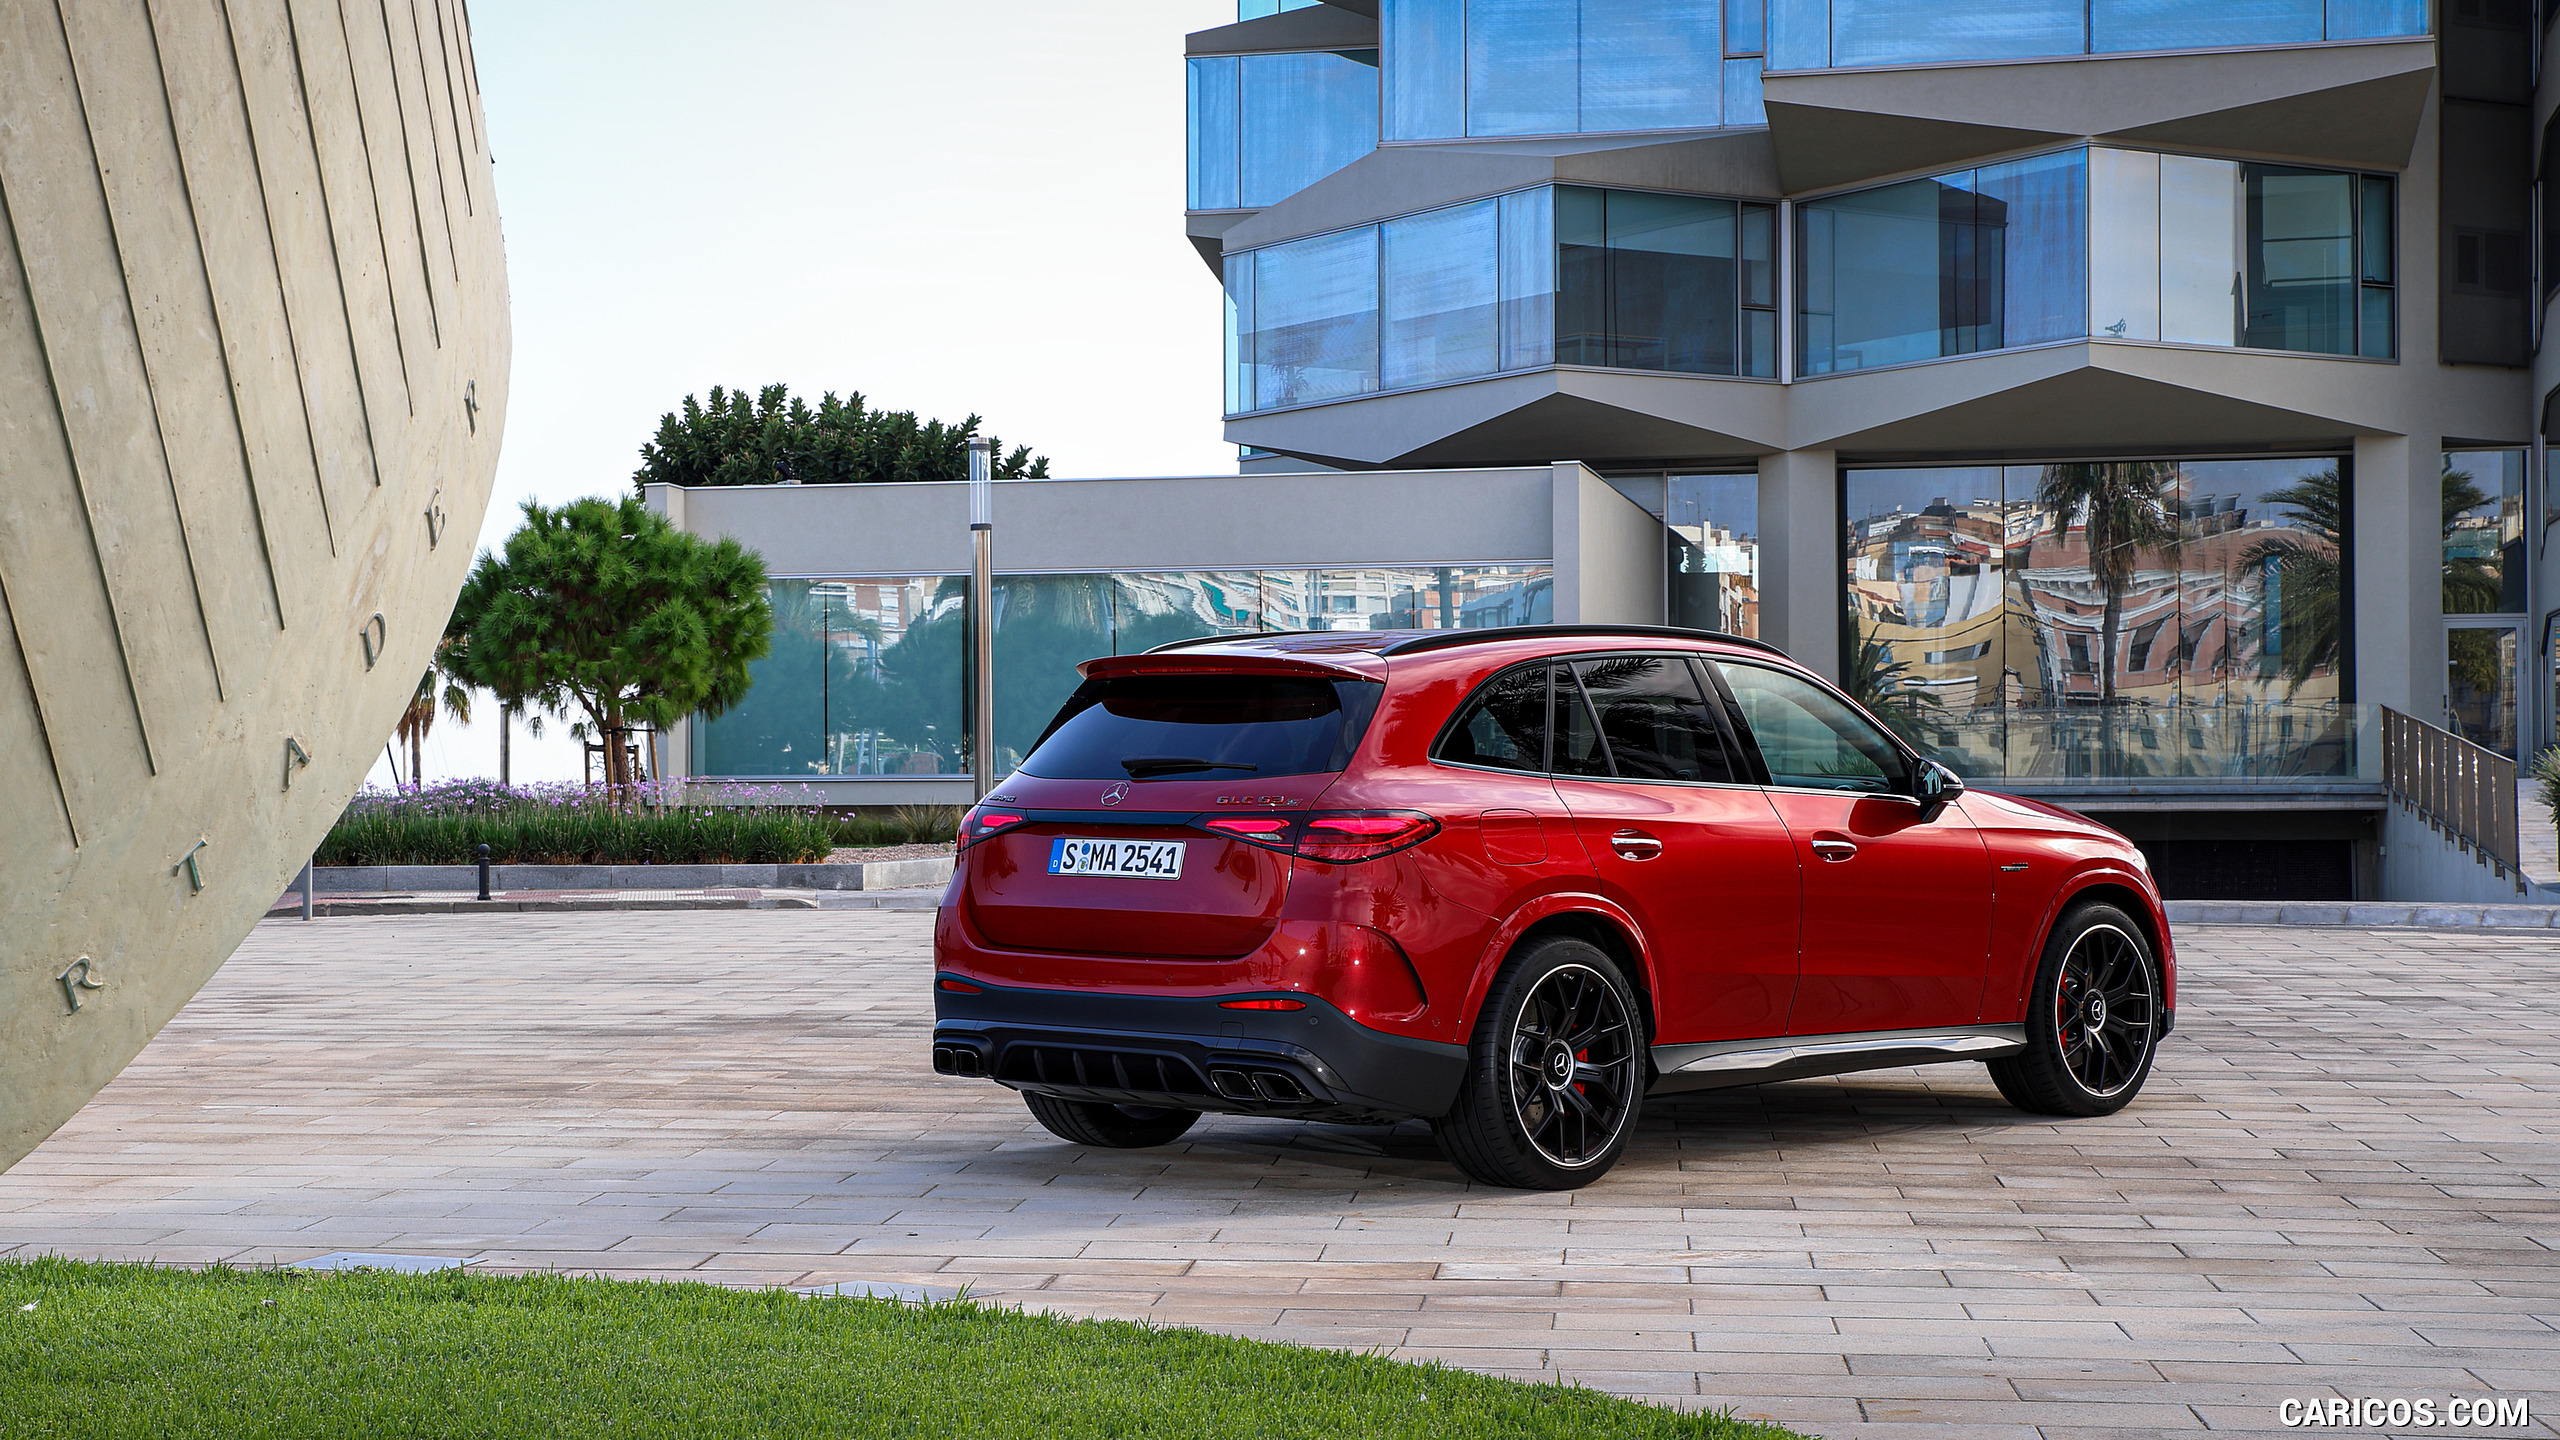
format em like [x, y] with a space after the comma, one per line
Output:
[1208, 661]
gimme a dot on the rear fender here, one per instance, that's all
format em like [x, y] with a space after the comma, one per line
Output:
[1547, 907]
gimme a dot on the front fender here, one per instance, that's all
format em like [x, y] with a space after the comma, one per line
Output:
[2089, 875]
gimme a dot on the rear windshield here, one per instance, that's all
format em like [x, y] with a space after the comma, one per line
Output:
[1206, 727]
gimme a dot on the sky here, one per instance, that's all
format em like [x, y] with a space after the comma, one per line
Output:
[951, 207]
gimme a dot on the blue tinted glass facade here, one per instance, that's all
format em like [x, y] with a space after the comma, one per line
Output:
[1558, 67]
[1821, 34]
[1975, 260]
[1562, 275]
[1256, 9]
[1263, 127]
[865, 676]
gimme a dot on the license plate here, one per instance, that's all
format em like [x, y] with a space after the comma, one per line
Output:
[1129, 859]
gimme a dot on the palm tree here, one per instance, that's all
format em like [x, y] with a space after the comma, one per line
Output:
[420, 717]
[2127, 507]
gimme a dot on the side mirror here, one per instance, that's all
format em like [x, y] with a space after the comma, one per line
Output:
[1936, 788]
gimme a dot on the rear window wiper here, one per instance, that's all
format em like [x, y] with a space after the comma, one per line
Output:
[1141, 766]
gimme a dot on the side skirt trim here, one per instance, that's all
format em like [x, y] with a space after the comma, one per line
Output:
[1721, 1063]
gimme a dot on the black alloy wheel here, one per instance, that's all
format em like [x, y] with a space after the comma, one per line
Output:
[1555, 1076]
[1108, 1127]
[2093, 1019]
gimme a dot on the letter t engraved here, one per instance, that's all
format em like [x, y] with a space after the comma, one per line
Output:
[193, 870]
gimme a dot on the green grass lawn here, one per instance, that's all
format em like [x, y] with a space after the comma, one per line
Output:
[129, 1350]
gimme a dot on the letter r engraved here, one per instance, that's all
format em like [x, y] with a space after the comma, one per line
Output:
[80, 975]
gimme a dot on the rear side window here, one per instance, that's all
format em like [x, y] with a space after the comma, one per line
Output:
[1505, 726]
[1655, 718]
[1208, 726]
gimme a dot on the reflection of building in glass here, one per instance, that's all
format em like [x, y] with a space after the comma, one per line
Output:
[1993, 630]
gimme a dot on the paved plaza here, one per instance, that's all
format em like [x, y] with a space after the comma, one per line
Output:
[2344, 1179]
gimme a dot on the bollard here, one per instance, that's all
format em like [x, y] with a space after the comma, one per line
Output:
[306, 889]
[484, 872]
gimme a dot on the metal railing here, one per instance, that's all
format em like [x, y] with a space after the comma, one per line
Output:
[2466, 793]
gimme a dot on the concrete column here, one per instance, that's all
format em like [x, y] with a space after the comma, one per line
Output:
[1800, 556]
[1609, 553]
[2397, 516]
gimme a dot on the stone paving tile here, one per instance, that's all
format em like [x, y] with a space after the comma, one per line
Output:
[2344, 1180]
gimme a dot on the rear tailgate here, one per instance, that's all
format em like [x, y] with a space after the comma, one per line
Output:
[1223, 903]
[1147, 753]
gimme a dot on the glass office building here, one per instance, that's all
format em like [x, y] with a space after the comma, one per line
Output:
[2127, 399]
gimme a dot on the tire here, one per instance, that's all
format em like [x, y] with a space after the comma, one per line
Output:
[1108, 1127]
[2093, 1019]
[1555, 1074]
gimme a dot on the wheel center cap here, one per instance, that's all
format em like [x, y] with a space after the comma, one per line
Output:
[1559, 1066]
[2097, 1010]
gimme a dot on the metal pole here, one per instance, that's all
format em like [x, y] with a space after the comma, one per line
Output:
[306, 889]
[982, 628]
[506, 730]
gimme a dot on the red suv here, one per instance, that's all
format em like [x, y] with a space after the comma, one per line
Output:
[1511, 882]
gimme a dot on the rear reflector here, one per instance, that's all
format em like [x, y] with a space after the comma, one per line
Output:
[957, 987]
[1258, 1004]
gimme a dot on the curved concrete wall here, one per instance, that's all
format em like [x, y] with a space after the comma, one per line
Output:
[253, 370]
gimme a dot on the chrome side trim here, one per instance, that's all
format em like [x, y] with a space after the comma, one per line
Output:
[1745, 1062]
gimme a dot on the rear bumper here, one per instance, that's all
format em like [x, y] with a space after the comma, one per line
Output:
[1187, 1053]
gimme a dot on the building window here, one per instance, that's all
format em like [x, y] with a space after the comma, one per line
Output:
[1665, 282]
[1822, 34]
[1538, 277]
[1952, 265]
[1264, 127]
[866, 674]
[2484, 532]
[1713, 564]
[2105, 620]
[2224, 252]
[1559, 67]
[1256, 9]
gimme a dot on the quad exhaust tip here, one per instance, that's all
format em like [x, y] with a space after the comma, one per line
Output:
[958, 1060]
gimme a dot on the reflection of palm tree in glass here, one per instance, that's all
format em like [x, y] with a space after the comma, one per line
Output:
[2307, 567]
[2306, 572]
[2128, 507]
[1882, 683]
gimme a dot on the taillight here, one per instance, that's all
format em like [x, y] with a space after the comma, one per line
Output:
[980, 823]
[1271, 832]
[1262, 1004]
[1341, 836]
[956, 987]
[1334, 836]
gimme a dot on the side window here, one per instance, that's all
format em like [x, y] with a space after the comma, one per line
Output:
[1578, 747]
[1810, 739]
[1505, 725]
[1655, 718]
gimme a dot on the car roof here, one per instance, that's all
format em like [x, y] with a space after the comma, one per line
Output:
[1340, 645]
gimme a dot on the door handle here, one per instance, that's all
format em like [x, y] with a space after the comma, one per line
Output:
[1834, 851]
[1635, 845]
